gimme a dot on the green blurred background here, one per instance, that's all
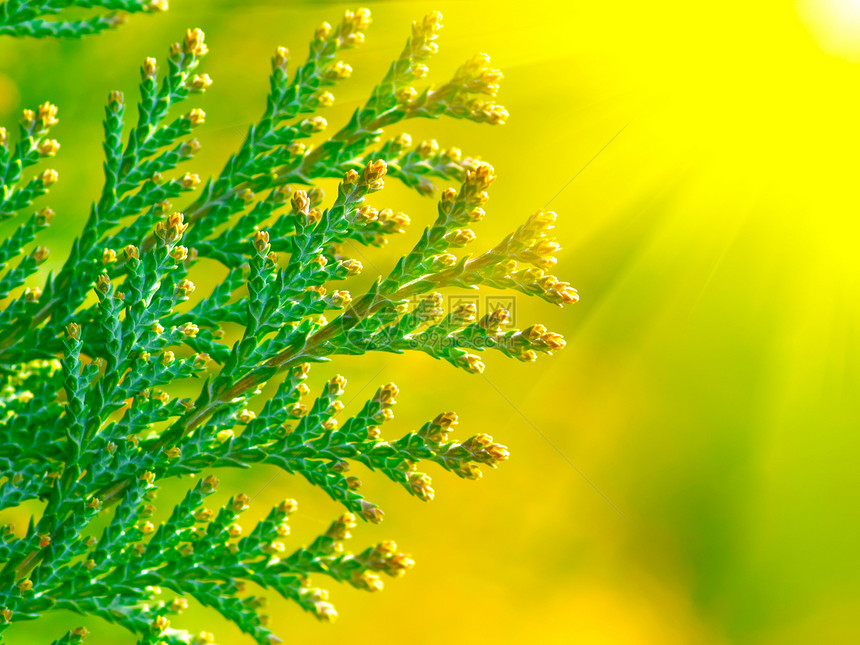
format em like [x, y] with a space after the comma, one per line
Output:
[686, 471]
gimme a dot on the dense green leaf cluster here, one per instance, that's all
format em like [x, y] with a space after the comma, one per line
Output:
[86, 362]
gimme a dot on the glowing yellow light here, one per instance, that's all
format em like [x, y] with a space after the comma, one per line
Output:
[835, 24]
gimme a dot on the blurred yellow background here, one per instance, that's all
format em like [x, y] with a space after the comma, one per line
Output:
[686, 471]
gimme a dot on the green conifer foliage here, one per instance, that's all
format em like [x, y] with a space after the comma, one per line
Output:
[87, 360]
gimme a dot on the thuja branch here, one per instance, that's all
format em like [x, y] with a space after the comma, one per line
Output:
[89, 361]
[28, 17]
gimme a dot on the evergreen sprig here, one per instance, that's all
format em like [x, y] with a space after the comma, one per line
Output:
[28, 17]
[88, 361]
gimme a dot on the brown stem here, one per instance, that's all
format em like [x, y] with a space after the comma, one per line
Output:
[29, 563]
